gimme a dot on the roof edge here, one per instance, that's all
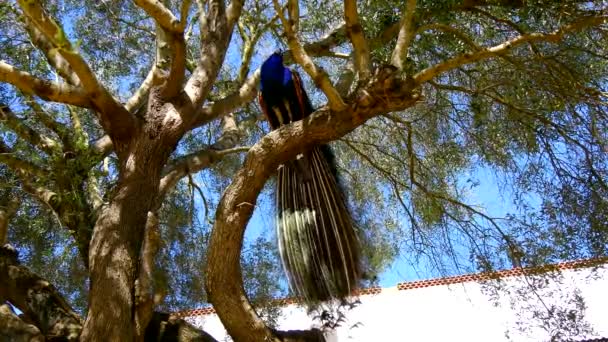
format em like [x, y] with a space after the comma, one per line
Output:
[417, 284]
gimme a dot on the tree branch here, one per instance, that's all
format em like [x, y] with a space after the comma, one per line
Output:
[15, 329]
[144, 291]
[357, 38]
[318, 75]
[42, 304]
[228, 104]
[102, 146]
[34, 296]
[192, 163]
[467, 58]
[172, 34]
[25, 132]
[93, 192]
[449, 29]
[249, 43]
[8, 208]
[49, 122]
[175, 79]
[216, 31]
[9, 158]
[46, 90]
[55, 59]
[322, 47]
[406, 34]
[139, 97]
[234, 12]
[248, 89]
[346, 78]
[224, 279]
[115, 119]
[162, 15]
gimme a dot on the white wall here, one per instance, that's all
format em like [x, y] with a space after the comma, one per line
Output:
[460, 312]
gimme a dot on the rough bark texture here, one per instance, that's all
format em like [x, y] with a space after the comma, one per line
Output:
[114, 254]
[386, 92]
[12, 328]
[47, 316]
[40, 302]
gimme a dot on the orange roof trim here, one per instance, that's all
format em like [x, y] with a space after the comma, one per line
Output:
[474, 277]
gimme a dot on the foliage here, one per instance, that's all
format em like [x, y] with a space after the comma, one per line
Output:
[533, 116]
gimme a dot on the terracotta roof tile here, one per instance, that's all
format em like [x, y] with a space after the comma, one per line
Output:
[567, 265]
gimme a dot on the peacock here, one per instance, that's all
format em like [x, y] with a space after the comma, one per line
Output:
[317, 239]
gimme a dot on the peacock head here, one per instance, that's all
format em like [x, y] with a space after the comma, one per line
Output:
[273, 71]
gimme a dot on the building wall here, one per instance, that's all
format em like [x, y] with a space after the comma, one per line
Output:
[466, 311]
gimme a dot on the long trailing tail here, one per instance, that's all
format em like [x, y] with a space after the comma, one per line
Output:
[317, 241]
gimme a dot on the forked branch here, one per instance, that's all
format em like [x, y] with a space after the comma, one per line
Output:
[318, 75]
[113, 116]
[216, 30]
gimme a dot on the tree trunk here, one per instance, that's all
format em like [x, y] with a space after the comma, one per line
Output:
[114, 254]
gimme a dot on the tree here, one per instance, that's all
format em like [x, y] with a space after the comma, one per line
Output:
[98, 129]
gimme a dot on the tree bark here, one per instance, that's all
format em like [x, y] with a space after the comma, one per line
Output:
[39, 300]
[45, 310]
[114, 255]
[116, 244]
[12, 328]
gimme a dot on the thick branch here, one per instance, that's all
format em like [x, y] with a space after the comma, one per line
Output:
[318, 75]
[228, 104]
[15, 329]
[93, 191]
[224, 279]
[55, 59]
[216, 31]
[102, 146]
[323, 46]
[144, 291]
[8, 208]
[357, 38]
[162, 15]
[234, 12]
[48, 310]
[467, 58]
[346, 78]
[46, 90]
[9, 158]
[170, 32]
[178, 67]
[36, 298]
[406, 34]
